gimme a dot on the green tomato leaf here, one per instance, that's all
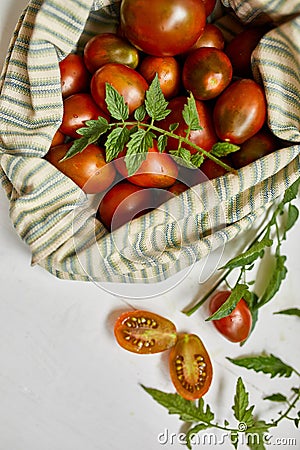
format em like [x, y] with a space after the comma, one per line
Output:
[292, 217]
[268, 364]
[183, 157]
[276, 398]
[173, 126]
[255, 252]
[221, 149]
[116, 142]
[292, 192]
[241, 402]
[190, 114]
[277, 276]
[194, 430]
[197, 159]
[137, 148]
[228, 306]
[140, 113]
[289, 312]
[155, 103]
[162, 142]
[115, 103]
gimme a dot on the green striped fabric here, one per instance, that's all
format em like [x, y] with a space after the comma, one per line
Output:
[53, 216]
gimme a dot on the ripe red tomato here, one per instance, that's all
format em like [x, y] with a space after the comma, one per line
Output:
[158, 170]
[178, 187]
[259, 145]
[87, 169]
[128, 82]
[190, 367]
[109, 48]
[207, 71]
[209, 6]
[240, 111]
[240, 48]
[212, 36]
[79, 108]
[168, 71]
[58, 138]
[122, 203]
[213, 170]
[204, 138]
[235, 327]
[162, 28]
[74, 75]
[144, 332]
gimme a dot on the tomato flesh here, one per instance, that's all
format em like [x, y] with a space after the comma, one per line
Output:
[144, 332]
[190, 367]
[237, 325]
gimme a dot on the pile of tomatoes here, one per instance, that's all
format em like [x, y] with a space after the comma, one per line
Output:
[190, 366]
[189, 55]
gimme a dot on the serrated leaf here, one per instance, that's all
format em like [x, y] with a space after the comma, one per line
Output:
[276, 398]
[174, 126]
[162, 142]
[289, 312]
[190, 114]
[140, 113]
[175, 404]
[220, 149]
[277, 276]
[292, 192]
[255, 252]
[268, 364]
[116, 142]
[155, 102]
[197, 159]
[115, 103]
[193, 431]
[183, 157]
[256, 435]
[137, 148]
[242, 413]
[204, 411]
[228, 306]
[292, 217]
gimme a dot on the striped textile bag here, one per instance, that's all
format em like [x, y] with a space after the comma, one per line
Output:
[53, 216]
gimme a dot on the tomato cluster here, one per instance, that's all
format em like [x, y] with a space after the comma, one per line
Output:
[188, 55]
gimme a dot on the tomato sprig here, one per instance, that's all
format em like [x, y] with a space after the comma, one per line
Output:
[137, 135]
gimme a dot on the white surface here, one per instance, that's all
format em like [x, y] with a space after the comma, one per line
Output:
[64, 382]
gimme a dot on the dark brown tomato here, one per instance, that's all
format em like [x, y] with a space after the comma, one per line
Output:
[209, 6]
[74, 75]
[168, 71]
[79, 108]
[259, 145]
[127, 81]
[178, 187]
[144, 332]
[58, 138]
[212, 37]
[207, 71]
[212, 169]
[87, 169]
[122, 203]
[190, 367]
[240, 111]
[204, 138]
[240, 48]
[162, 28]
[109, 48]
[158, 170]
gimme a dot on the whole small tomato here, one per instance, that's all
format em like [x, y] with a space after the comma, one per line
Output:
[259, 145]
[190, 367]
[74, 75]
[144, 332]
[237, 325]
[209, 6]
[122, 203]
[207, 71]
[240, 111]
[205, 137]
[240, 48]
[78, 108]
[212, 36]
[162, 28]
[87, 169]
[128, 82]
[213, 170]
[58, 138]
[109, 48]
[168, 71]
[158, 170]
